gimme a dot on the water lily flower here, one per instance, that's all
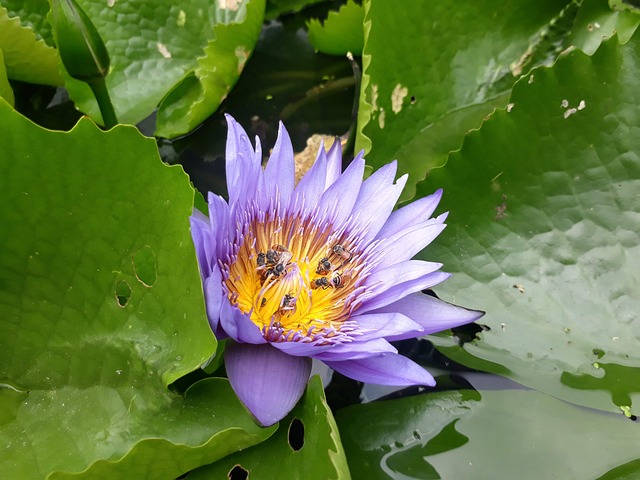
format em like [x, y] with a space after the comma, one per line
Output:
[321, 269]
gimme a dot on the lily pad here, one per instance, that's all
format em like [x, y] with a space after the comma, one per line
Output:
[543, 231]
[27, 56]
[596, 21]
[485, 435]
[186, 55]
[341, 32]
[433, 70]
[101, 308]
[307, 445]
[6, 91]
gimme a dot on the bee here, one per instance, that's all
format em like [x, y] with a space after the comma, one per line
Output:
[322, 282]
[338, 280]
[324, 266]
[275, 261]
[288, 304]
[342, 252]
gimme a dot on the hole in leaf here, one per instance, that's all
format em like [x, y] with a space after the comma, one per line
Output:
[238, 473]
[123, 292]
[296, 434]
[144, 264]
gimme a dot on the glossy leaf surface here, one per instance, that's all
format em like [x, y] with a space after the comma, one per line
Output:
[485, 435]
[100, 310]
[307, 445]
[544, 230]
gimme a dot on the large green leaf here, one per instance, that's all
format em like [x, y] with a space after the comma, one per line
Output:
[5, 88]
[204, 89]
[434, 70]
[170, 47]
[596, 21]
[28, 58]
[100, 309]
[341, 32]
[489, 435]
[306, 446]
[543, 231]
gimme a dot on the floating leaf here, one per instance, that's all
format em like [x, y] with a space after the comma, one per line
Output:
[543, 231]
[6, 91]
[27, 56]
[216, 72]
[434, 70]
[596, 22]
[341, 32]
[170, 49]
[101, 307]
[491, 434]
[307, 445]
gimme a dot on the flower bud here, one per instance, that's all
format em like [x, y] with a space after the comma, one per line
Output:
[81, 48]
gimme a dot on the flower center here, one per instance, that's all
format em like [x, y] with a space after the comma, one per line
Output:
[296, 280]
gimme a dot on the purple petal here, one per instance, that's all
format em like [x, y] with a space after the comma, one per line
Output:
[203, 241]
[405, 244]
[279, 175]
[268, 382]
[219, 220]
[402, 272]
[387, 325]
[415, 212]
[334, 163]
[301, 349]
[388, 369]
[433, 314]
[242, 169]
[338, 200]
[239, 325]
[357, 350]
[213, 296]
[378, 195]
[312, 185]
[401, 290]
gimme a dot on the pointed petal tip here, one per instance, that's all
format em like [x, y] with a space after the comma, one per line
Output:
[230, 120]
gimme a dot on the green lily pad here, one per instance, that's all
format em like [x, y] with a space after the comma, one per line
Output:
[596, 21]
[27, 56]
[484, 435]
[341, 32]
[6, 91]
[101, 308]
[433, 70]
[200, 93]
[543, 231]
[307, 445]
[185, 55]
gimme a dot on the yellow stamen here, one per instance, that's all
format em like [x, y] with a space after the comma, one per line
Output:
[280, 289]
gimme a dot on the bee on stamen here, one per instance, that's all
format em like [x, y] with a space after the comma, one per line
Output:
[288, 304]
[324, 266]
[322, 282]
[342, 252]
[338, 280]
[261, 261]
[275, 261]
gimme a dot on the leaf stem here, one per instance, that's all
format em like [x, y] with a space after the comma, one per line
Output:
[99, 87]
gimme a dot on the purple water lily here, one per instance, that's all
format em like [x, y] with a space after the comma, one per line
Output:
[321, 269]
